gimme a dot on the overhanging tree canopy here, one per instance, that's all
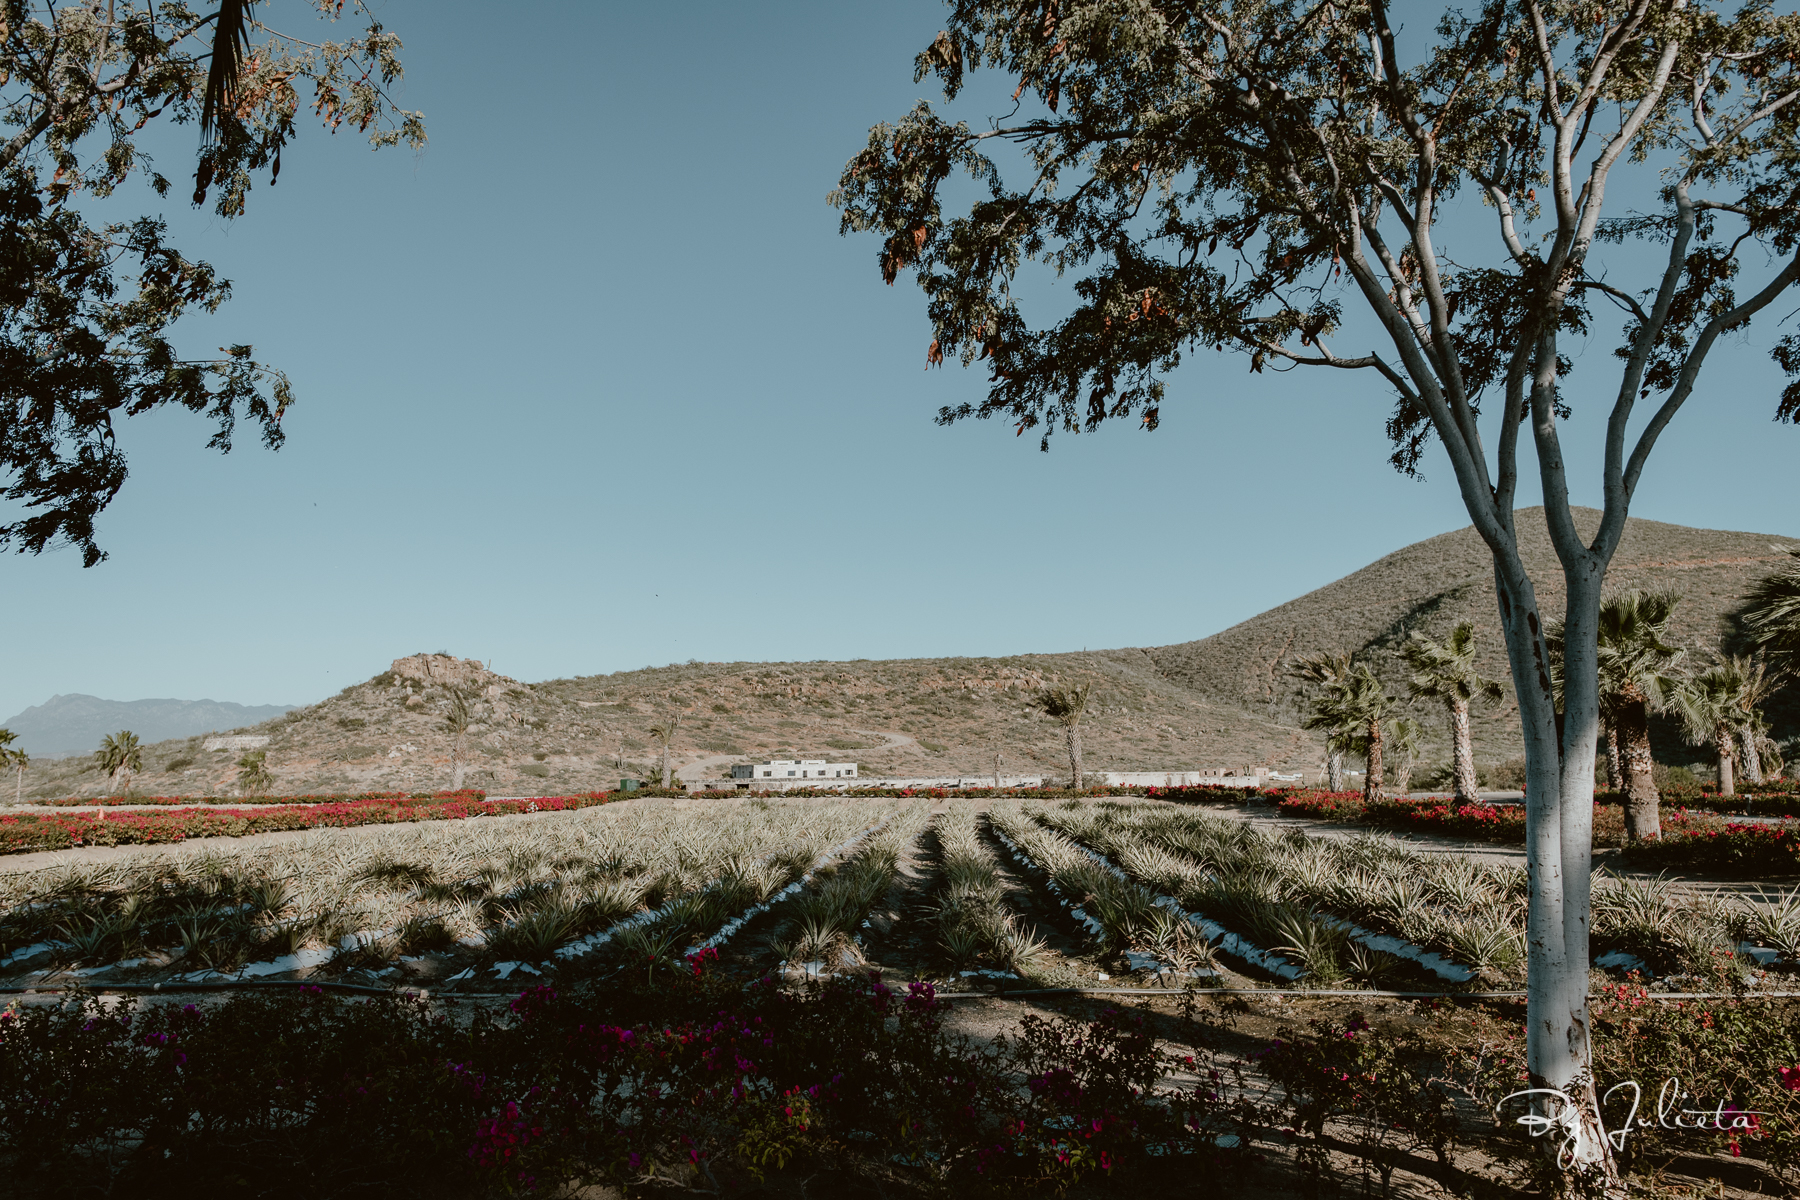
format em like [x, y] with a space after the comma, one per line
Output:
[1231, 176]
[85, 309]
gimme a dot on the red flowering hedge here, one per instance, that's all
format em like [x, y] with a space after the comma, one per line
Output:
[1197, 794]
[1690, 840]
[1777, 799]
[334, 798]
[61, 831]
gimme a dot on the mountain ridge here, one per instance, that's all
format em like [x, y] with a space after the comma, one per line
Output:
[1221, 702]
[75, 722]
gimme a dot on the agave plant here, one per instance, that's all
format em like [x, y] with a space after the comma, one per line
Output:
[96, 938]
[1495, 951]
[1371, 968]
[1316, 948]
[1772, 919]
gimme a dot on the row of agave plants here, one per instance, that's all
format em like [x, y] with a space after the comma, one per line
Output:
[1363, 910]
[517, 892]
[1374, 912]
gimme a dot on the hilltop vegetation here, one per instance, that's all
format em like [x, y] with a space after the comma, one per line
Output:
[1226, 701]
[1433, 584]
[904, 717]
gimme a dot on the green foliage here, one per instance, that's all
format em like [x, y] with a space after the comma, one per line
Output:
[1771, 616]
[120, 754]
[253, 772]
[85, 323]
[1065, 705]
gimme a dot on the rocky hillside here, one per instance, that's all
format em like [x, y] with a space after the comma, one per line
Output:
[1433, 584]
[909, 717]
[1223, 702]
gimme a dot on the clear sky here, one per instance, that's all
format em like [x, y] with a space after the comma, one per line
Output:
[593, 383]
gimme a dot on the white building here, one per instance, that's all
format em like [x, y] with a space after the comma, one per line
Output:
[787, 768]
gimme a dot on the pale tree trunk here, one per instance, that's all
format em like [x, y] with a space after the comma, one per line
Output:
[1334, 771]
[1072, 733]
[996, 768]
[1615, 770]
[1372, 778]
[1642, 816]
[1462, 753]
[456, 765]
[665, 763]
[1749, 761]
[19, 788]
[1559, 818]
[1727, 747]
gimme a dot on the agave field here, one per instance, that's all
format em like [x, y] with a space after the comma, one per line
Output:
[677, 989]
[1134, 892]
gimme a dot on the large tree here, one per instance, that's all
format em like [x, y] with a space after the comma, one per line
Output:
[86, 308]
[1236, 174]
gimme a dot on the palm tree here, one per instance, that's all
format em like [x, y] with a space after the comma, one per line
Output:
[1446, 671]
[1066, 706]
[120, 756]
[1752, 731]
[1771, 617]
[1405, 736]
[664, 733]
[1634, 677]
[1327, 669]
[1352, 711]
[253, 777]
[1713, 707]
[456, 724]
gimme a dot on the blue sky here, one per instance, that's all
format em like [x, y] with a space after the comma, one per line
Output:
[592, 383]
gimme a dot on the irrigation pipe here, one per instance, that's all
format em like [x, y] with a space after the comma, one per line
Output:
[1304, 993]
[1300, 993]
[221, 986]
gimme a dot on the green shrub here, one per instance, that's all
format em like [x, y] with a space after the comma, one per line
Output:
[179, 764]
[535, 770]
[351, 722]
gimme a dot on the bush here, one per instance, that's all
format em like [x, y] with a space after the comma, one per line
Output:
[700, 1081]
[61, 831]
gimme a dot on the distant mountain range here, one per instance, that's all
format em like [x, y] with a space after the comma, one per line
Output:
[75, 724]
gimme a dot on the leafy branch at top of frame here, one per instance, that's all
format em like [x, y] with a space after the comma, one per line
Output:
[87, 79]
[1283, 133]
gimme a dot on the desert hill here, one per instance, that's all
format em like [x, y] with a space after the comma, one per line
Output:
[1433, 584]
[1220, 702]
[904, 717]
